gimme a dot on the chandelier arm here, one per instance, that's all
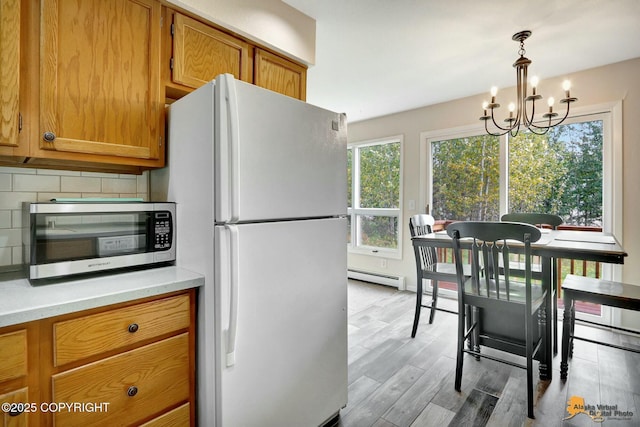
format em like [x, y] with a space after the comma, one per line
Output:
[546, 128]
[491, 133]
[493, 119]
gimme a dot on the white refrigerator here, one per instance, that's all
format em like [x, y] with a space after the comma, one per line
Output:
[260, 184]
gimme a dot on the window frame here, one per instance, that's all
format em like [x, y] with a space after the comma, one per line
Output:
[355, 210]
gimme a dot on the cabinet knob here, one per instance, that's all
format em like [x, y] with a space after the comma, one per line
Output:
[15, 413]
[132, 391]
[49, 136]
[133, 327]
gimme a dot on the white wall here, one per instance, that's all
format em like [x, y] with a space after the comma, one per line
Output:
[271, 23]
[600, 85]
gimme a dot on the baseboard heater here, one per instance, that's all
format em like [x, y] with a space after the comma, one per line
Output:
[382, 279]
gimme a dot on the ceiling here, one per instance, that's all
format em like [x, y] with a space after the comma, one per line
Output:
[377, 57]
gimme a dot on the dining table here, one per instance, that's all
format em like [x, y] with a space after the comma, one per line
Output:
[580, 245]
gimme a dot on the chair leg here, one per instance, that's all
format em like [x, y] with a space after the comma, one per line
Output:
[554, 279]
[434, 300]
[530, 382]
[416, 317]
[460, 348]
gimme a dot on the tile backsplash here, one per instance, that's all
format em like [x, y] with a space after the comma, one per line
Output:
[19, 185]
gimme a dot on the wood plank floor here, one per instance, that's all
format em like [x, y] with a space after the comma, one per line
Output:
[395, 380]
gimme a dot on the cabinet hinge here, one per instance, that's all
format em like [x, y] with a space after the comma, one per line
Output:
[160, 142]
[171, 64]
[173, 29]
[19, 122]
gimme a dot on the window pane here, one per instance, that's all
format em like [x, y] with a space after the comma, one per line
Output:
[465, 178]
[380, 176]
[378, 231]
[560, 172]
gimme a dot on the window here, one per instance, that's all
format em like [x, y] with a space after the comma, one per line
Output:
[574, 171]
[375, 181]
[560, 172]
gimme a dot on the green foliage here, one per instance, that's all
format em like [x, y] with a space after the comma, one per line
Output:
[380, 176]
[465, 178]
[560, 173]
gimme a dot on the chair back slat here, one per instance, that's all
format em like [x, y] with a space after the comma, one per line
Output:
[419, 225]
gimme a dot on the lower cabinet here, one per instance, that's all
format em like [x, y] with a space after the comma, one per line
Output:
[127, 364]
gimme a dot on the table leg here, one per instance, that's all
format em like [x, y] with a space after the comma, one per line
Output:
[546, 347]
[567, 322]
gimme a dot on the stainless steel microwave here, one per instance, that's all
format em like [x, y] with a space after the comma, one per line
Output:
[62, 239]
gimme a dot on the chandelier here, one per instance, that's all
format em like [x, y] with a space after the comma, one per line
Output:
[519, 115]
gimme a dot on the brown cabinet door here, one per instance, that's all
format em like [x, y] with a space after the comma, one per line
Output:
[9, 72]
[200, 53]
[100, 77]
[280, 75]
[17, 414]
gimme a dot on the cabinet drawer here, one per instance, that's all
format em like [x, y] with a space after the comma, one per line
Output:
[178, 417]
[159, 372]
[90, 335]
[13, 355]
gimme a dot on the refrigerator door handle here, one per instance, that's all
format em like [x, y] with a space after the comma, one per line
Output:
[234, 260]
[233, 144]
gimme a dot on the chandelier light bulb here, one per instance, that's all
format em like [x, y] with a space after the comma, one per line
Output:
[566, 85]
[535, 81]
[550, 101]
[485, 105]
[512, 107]
[494, 91]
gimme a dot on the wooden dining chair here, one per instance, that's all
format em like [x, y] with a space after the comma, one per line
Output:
[552, 221]
[507, 314]
[429, 268]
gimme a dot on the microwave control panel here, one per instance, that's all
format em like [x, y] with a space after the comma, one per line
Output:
[162, 230]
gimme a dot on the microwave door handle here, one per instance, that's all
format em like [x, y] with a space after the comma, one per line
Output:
[234, 261]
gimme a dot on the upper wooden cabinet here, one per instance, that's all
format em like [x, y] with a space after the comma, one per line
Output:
[196, 53]
[9, 75]
[200, 53]
[100, 91]
[280, 75]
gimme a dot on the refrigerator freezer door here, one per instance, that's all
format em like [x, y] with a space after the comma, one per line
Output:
[276, 157]
[287, 324]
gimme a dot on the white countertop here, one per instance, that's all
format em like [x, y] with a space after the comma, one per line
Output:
[22, 302]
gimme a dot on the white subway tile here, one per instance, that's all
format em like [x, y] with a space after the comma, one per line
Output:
[119, 185]
[10, 237]
[78, 184]
[57, 172]
[16, 218]
[5, 219]
[5, 182]
[36, 183]
[5, 256]
[13, 200]
[17, 255]
[24, 171]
